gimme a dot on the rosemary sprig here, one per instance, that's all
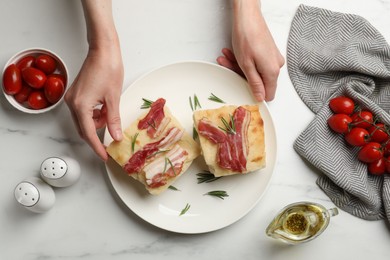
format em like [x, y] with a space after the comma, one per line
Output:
[194, 133]
[229, 128]
[184, 211]
[216, 99]
[133, 141]
[158, 152]
[152, 124]
[217, 193]
[165, 165]
[191, 105]
[168, 161]
[173, 188]
[195, 104]
[206, 177]
[147, 103]
[172, 166]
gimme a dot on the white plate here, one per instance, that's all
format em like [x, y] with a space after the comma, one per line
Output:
[176, 83]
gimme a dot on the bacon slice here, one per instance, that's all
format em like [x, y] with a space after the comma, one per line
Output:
[232, 151]
[211, 132]
[158, 172]
[155, 121]
[138, 160]
[238, 142]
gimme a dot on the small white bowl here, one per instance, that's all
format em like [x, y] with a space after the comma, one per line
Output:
[61, 69]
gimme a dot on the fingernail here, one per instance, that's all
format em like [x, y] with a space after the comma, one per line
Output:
[118, 135]
[259, 97]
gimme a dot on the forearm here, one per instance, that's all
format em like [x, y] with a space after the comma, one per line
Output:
[245, 7]
[247, 16]
[101, 32]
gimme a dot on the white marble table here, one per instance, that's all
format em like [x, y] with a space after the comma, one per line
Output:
[88, 220]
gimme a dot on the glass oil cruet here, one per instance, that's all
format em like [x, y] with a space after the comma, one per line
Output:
[300, 222]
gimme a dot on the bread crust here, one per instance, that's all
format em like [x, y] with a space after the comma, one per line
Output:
[256, 158]
[122, 151]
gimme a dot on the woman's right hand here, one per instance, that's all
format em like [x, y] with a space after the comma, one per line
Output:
[98, 84]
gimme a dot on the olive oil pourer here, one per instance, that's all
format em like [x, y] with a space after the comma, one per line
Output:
[300, 222]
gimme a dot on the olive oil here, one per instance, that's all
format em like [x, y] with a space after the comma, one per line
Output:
[300, 222]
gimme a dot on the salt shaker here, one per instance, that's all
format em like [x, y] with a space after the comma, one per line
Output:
[60, 171]
[35, 195]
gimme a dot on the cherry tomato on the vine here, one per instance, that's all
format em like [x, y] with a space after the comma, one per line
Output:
[386, 148]
[37, 100]
[387, 163]
[342, 105]
[363, 119]
[53, 88]
[46, 63]
[339, 123]
[378, 133]
[377, 167]
[370, 152]
[357, 136]
[34, 77]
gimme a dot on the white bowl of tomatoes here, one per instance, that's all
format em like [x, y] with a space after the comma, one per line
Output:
[35, 80]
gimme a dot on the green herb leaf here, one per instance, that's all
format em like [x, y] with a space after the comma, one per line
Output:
[194, 133]
[133, 141]
[217, 193]
[152, 124]
[158, 152]
[168, 161]
[206, 177]
[192, 106]
[165, 165]
[147, 103]
[186, 208]
[172, 166]
[216, 99]
[173, 188]
[196, 104]
[229, 128]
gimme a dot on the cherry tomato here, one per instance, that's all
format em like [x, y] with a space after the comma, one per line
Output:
[23, 94]
[386, 149]
[37, 100]
[363, 119]
[46, 63]
[60, 76]
[377, 167]
[342, 105]
[339, 123]
[370, 152]
[53, 88]
[357, 136]
[25, 62]
[378, 133]
[387, 163]
[12, 80]
[34, 77]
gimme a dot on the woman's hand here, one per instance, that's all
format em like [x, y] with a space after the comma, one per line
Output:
[98, 84]
[94, 96]
[254, 55]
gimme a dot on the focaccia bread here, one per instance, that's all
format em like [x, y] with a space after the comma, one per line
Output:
[231, 148]
[155, 149]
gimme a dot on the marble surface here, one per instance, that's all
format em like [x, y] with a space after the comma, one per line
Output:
[88, 220]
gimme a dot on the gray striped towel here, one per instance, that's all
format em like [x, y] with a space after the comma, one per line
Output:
[331, 54]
